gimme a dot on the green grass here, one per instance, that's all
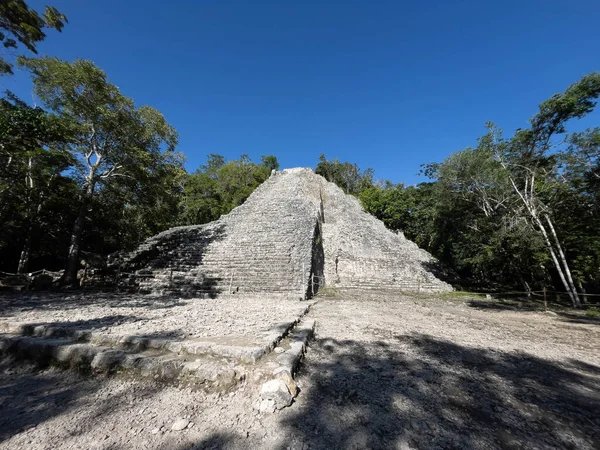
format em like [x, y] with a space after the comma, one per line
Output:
[326, 291]
[592, 312]
[458, 295]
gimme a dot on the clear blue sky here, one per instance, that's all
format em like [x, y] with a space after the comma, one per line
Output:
[386, 84]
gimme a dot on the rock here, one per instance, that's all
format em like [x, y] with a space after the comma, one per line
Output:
[180, 424]
[155, 431]
[279, 229]
[281, 373]
[266, 405]
[279, 350]
[42, 282]
[277, 392]
[106, 360]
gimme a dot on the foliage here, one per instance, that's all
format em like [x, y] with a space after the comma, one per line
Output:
[20, 24]
[517, 211]
[116, 145]
[218, 186]
[346, 175]
[33, 162]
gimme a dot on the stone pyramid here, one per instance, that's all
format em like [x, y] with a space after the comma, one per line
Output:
[295, 234]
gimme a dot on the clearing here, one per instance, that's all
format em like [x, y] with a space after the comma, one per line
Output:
[385, 370]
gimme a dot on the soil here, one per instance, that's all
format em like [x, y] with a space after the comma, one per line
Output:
[384, 371]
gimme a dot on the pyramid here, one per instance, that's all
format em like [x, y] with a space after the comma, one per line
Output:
[295, 234]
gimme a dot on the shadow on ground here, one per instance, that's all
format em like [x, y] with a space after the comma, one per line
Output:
[578, 318]
[559, 310]
[15, 304]
[32, 398]
[420, 392]
[499, 305]
[65, 327]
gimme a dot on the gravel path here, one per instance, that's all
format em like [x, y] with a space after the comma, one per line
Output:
[383, 372]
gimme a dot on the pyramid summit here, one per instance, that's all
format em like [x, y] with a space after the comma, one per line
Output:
[296, 233]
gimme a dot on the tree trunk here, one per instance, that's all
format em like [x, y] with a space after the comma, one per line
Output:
[564, 263]
[584, 293]
[33, 219]
[24, 258]
[527, 287]
[70, 275]
[559, 268]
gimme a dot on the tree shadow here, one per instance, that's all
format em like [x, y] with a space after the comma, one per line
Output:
[506, 305]
[215, 441]
[32, 398]
[68, 328]
[13, 304]
[578, 318]
[416, 391]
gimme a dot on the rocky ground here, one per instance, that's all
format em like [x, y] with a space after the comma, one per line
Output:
[384, 371]
[166, 317]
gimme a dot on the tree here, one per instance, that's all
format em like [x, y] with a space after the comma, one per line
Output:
[529, 164]
[218, 186]
[32, 159]
[519, 182]
[19, 23]
[346, 175]
[270, 162]
[579, 213]
[485, 236]
[111, 138]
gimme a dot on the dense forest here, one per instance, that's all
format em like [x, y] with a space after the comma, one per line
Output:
[89, 173]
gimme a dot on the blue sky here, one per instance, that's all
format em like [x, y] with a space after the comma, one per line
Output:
[385, 84]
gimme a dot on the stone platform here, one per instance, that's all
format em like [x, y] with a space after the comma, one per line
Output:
[212, 343]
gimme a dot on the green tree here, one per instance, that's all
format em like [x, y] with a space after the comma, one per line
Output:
[483, 234]
[518, 181]
[111, 138]
[20, 24]
[346, 175]
[270, 162]
[530, 165]
[218, 186]
[32, 162]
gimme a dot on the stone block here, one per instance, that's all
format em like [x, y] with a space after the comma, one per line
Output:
[275, 392]
[107, 360]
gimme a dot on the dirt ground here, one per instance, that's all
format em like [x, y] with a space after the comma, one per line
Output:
[384, 371]
[167, 317]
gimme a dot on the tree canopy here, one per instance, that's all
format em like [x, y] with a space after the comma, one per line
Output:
[21, 24]
[111, 141]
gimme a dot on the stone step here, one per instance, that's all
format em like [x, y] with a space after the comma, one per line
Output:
[209, 363]
[204, 372]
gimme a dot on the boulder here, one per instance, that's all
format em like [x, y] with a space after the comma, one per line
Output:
[275, 393]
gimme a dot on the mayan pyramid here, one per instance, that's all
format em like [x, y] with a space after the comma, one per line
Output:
[296, 233]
